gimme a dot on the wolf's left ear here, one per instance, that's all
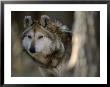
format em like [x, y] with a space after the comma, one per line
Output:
[27, 21]
[44, 20]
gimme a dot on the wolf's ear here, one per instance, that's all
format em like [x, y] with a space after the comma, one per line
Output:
[44, 21]
[27, 21]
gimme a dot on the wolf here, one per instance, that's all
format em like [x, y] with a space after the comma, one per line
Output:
[48, 43]
[62, 52]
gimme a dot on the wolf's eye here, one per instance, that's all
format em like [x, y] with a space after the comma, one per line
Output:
[40, 37]
[29, 37]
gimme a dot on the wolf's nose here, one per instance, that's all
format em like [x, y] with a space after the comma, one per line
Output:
[32, 49]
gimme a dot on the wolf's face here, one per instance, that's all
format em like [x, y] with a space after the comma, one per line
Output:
[43, 42]
[37, 41]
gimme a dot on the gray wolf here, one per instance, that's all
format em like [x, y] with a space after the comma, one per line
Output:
[47, 42]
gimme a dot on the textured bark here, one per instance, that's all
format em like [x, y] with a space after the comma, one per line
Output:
[85, 50]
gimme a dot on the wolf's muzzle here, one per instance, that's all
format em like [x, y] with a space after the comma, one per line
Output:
[32, 49]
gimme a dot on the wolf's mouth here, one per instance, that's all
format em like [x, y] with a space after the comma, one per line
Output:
[43, 60]
[38, 56]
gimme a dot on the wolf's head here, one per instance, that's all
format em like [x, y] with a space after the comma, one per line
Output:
[44, 40]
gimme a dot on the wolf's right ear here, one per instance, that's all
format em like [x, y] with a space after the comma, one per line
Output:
[44, 20]
[27, 21]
